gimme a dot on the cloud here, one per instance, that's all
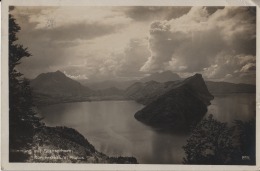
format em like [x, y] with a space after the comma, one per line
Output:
[150, 13]
[123, 65]
[129, 42]
[67, 15]
[76, 31]
[213, 9]
[229, 65]
[95, 47]
[55, 45]
[196, 40]
[56, 28]
[76, 77]
[248, 67]
[115, 65]
[133, 57]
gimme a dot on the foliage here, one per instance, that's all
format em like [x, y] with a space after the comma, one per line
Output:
[214, 142]
[245, 142]
[23, 122]
[123, 160]
[210, 143]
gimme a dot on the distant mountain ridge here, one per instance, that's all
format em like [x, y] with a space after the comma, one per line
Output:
[56, 87]
[220, 88]
[100, 85]
[158, 77]
[168, 78]
[147, 92]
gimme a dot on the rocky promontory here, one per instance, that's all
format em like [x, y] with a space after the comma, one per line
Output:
[179, 108]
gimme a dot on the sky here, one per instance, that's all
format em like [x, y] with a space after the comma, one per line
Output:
[124, 43]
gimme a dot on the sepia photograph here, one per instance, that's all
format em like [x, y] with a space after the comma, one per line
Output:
[161, 85]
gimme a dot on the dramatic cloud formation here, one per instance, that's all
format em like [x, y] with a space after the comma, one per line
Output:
[61, 38]
[134, 56]
[218, 45]
[228, 65]
[123, 43]
[123, 65]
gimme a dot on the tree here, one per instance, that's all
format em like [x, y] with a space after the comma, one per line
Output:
[23, 122]
[245, 142]
[210, 143]
[213, 142]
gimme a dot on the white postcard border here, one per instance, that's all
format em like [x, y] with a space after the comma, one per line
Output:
[5, 165]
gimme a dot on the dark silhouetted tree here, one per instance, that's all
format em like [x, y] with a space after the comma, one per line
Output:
[213, 142]
[22, 120]
[210, 143]
[245, 142]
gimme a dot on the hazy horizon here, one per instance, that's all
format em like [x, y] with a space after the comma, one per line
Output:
[127, 43]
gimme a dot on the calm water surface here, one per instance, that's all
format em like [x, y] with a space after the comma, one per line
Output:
[111, 127]
[230, 107]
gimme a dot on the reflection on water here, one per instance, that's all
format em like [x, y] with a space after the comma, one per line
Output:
[111, 127]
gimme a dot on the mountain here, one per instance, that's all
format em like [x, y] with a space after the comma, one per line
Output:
[57, 83]
[179, 108]
[147, 92]
[144, 93]
[109, 92]
[112, 93]
[99, 85]
[220, 88]
[158, 77]
[57, 87]
[161, 77]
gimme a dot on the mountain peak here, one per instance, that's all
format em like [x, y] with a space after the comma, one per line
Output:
[198, 84]
[198, 75]
[58, 86]
[58, 71]
[50, 74]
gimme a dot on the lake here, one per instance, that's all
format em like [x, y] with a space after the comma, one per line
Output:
[111, 127]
